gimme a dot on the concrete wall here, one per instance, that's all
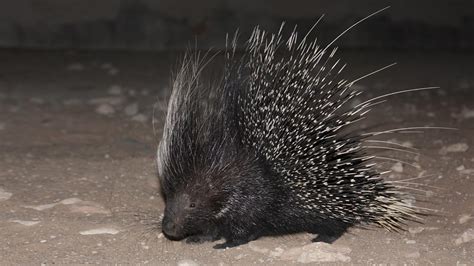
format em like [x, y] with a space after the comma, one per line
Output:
[173, 24]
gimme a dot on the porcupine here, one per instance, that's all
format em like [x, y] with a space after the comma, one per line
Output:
[272, 149]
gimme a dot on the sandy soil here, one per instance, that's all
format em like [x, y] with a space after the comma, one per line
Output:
[78, 181]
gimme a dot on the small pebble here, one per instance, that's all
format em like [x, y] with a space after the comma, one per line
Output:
[42, 207]
[100, 231]
[187, 262]
[70, 201]
[467, 113]
[113, 71]
[397, 167]
[416, 230]
[105, 109]
[115, 90]
[464, 84]
[25, 223]
[457, 147]
[140, 118]
[317, 252]
[75, 67]
[5, 195]
[258, 249]
[94, 208]
[131, 109]
[464, 218]
[467, 236]
[277, 252]
[463, 170]
[413, 255]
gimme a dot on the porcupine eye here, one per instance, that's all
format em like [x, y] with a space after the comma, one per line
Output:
[192, 205]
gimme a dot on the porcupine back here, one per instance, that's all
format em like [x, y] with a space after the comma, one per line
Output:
[295, 113]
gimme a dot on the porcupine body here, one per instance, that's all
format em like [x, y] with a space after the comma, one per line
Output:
[272, 149]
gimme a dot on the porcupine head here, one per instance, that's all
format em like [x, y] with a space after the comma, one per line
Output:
[270, 149]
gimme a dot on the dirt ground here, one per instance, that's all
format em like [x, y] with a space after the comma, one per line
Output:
[78, 181]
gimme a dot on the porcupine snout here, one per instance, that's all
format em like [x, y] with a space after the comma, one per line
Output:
[171, 225]
[170, 229]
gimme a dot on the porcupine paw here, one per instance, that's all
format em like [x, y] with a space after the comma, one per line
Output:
[329, 237]
[326, 238]
[234, 242]
[231, 244]
[198, 239]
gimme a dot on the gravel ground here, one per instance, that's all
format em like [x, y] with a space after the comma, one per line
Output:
[78, 181]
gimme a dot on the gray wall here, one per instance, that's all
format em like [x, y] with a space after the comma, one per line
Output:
[173, 24]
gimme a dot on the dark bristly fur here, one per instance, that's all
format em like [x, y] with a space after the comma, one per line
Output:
[272, 149]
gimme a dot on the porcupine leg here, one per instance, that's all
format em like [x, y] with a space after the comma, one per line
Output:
[210, 236]
[328, 238]
[235, 242]
[237, 237]
[198, 239]
[329, 234]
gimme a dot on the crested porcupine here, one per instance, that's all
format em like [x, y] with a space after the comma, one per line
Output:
[272, 149]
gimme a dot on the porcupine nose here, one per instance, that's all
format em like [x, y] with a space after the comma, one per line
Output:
[169, 229]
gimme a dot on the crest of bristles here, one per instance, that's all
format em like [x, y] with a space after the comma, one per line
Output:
[273, 148]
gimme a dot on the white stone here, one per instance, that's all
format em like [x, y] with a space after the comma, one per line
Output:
[467, 236]
[5, 195]
[25, 223]
[416, 230]
[113, 71]
[115, 90]
[131, 109]
[42, 207]
[457, 147]
[257, 249]
[100, 231]
[413, 255]
[464, 218]
[467, 113]
[317, 252]
[70, 201]
[187, 262]
[105, 109]
[140, 118]
[397, 167]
